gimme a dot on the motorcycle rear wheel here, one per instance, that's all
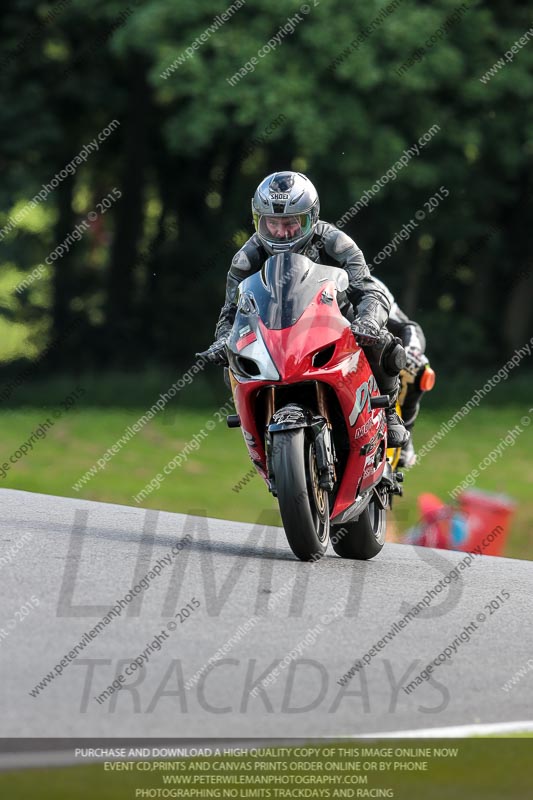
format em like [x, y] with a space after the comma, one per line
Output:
[364, 538]
[303, 505]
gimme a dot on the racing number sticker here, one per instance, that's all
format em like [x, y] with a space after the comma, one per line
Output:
[362, 399]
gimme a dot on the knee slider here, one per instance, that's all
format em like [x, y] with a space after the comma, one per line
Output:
[393, 358]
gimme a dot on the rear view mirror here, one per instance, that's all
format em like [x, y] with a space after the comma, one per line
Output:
[341, 280]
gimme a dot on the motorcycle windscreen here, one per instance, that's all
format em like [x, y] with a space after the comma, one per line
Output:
[286, 285]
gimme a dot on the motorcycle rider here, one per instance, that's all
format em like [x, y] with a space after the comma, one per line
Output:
[414, 343]
[285, 209]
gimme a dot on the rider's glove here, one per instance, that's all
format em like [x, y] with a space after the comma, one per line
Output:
[366, 331]
[216, 354]
[416, 359]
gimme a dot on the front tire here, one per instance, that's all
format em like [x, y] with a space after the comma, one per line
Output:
[364, 538]
[303, 505]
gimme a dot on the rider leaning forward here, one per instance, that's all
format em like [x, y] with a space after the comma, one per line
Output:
[285, 210]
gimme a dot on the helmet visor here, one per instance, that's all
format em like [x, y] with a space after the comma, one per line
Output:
[282, 229]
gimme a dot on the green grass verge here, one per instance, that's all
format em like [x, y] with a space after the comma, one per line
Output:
[206, 481]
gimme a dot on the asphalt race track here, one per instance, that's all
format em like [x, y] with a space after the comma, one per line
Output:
[65, 562]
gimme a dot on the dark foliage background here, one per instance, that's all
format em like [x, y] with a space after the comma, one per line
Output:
[144, 284]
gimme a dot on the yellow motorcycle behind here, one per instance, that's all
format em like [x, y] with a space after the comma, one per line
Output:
[426, 381]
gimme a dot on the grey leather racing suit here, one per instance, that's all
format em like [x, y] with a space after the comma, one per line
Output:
[366, 295]
[413, 339]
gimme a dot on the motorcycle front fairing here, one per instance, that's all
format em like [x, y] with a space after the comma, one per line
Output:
[288, 321]
[271, 302]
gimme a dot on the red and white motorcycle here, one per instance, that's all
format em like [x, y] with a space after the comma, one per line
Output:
[310, 410]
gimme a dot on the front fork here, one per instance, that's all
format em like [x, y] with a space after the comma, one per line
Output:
[292, 417]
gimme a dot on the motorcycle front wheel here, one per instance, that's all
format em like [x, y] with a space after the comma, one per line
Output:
[303, 505]
[364, 538]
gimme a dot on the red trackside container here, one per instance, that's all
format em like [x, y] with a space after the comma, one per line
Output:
[489, 519]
